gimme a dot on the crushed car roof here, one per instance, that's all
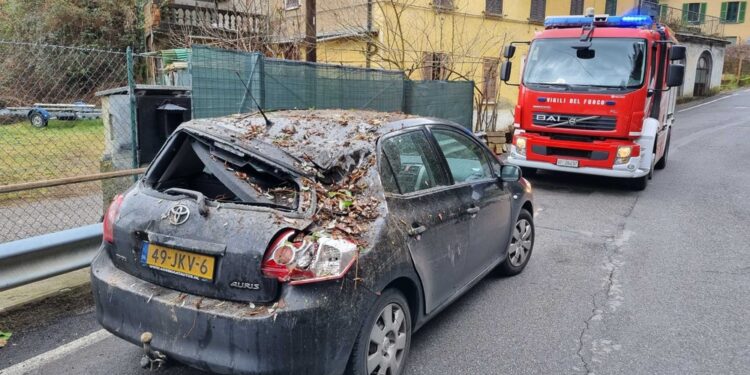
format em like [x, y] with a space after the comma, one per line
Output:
[333, 151]
[322, 138]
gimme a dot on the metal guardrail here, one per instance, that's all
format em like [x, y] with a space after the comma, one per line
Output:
[36, 258]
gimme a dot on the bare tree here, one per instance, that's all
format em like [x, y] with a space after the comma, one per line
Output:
[737, 60]
[439, 43]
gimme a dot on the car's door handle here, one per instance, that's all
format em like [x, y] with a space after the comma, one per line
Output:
[472, 210]
[417, 229]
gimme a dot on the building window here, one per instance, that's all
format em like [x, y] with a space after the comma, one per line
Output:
[733, 11]
[576, 7]
[610, 7]
[538, 9]
[443, 4]
[494, 7]
[694, 13]
[435, 66]
[291, 4]
[490, 76]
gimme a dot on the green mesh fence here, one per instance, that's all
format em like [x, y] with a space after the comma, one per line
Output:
[293, 84]
[285, 84]
[450, 100]
[217, 88]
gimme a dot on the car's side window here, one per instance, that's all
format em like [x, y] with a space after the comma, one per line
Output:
[412, 163]
[466, 160]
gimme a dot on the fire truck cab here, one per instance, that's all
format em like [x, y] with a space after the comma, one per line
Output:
[596, 97]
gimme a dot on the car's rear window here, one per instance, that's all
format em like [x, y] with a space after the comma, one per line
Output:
[222, 173]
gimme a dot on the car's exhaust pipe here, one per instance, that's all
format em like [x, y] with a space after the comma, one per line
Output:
[152, 359]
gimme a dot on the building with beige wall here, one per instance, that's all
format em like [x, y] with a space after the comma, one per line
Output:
[731, 16]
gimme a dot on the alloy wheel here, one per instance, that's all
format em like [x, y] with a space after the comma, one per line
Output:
[388, 337]
[520, 244]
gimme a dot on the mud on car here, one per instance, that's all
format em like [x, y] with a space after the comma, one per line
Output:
[316, 244]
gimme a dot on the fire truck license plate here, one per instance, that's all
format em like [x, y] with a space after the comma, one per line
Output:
[567, 163]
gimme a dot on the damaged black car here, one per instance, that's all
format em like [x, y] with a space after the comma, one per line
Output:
[315, 244]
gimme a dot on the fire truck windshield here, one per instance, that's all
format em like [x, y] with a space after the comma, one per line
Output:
[608, 63]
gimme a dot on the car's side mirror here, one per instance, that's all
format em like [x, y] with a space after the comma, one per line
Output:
[510, 173]
[675, 75]
[505, 69]
[677, 53]
[509, 51]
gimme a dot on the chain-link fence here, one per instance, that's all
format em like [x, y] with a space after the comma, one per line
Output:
[58, 137]
[77, 124]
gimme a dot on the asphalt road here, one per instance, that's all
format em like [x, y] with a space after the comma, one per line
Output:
[620, 282]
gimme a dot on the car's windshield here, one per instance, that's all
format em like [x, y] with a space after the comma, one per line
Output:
[609, 62]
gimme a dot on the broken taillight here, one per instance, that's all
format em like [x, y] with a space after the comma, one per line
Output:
[109, 219]
[305, 259]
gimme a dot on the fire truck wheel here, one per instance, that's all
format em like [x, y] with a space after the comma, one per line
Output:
[662, 163]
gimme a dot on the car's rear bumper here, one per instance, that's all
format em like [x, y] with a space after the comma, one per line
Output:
[311, 330]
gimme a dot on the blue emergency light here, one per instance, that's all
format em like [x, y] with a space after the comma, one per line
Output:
[561, 22]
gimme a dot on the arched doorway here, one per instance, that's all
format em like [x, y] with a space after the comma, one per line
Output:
[703, 75]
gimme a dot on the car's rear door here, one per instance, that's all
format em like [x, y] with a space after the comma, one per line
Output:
[425, 211]
[484, 198]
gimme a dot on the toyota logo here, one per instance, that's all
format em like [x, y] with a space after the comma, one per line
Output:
[178, 214]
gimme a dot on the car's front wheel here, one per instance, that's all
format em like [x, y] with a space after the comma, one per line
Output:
[383, 342]
[521, 245]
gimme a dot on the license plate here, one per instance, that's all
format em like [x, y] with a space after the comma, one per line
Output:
[178, 262]
[567, 163]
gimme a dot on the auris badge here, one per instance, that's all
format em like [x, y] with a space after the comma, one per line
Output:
[178, 214]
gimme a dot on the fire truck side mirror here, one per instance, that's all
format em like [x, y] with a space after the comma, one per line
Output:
[505, 69]
[675, 75]
[677, 53]
[509, 51]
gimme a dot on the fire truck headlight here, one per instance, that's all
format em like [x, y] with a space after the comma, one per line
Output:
[521, 145]
[623, 154]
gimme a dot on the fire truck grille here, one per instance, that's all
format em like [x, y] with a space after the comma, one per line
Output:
[575, 121]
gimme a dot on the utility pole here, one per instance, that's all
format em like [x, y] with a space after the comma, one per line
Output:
[311, 31]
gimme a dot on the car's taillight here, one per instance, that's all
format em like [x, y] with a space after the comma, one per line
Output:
[305, 259]
[109, 219]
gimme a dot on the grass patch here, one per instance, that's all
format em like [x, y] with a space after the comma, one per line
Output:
[62, 149]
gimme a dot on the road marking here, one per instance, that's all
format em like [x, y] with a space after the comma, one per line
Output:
[699, 135]
[706, 103]
[43, 359]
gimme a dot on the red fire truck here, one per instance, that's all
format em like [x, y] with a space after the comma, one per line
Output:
[596, 97]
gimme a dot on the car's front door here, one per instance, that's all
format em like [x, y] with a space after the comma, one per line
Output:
[484, 198]
[426, 210]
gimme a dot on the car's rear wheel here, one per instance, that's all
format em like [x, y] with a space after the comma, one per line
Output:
[521, 245]
[382, 345]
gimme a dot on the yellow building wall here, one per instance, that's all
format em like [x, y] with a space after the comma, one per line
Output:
[465, 33]
[740, 31]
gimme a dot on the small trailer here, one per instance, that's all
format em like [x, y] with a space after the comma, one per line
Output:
[40, 114]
